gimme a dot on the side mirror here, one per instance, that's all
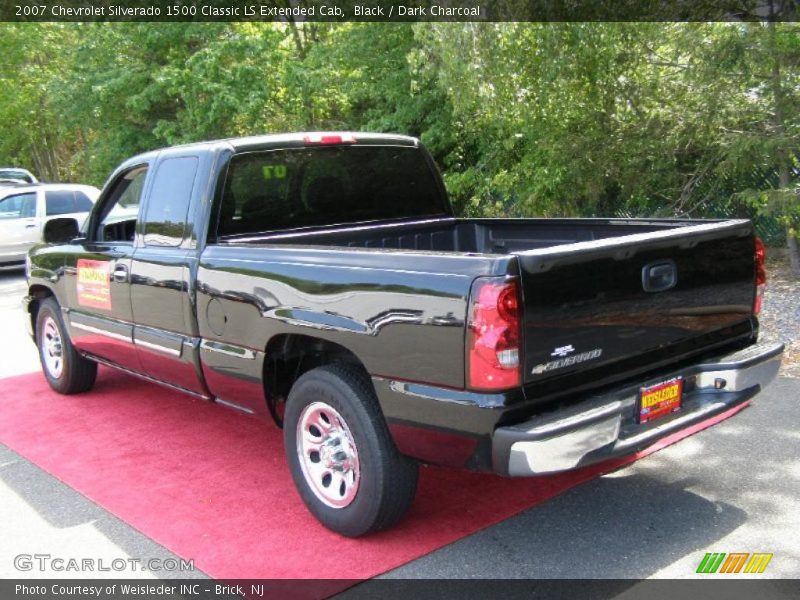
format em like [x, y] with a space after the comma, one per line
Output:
[60, 231]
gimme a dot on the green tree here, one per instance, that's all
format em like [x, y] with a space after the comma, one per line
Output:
[34, 56]
[618, 118]
[552, 119]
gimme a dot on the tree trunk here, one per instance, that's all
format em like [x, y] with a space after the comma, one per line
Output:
[298, 42]
[794, 253]
[37, 163]
[782, 153]
[301, 46]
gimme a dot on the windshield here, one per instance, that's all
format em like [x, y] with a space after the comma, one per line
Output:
[16, 175]
[287, 189]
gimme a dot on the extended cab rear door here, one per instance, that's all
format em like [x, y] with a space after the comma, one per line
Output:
[165, 328]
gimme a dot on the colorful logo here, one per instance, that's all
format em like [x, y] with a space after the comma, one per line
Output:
[94, 283]
[734, 562]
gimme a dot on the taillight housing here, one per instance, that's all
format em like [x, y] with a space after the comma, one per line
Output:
[761, 275]
[493, 334]
[327, 139]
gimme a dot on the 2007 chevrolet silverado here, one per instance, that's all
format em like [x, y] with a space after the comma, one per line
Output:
[322, 279]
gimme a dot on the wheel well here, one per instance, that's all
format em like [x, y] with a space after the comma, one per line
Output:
[288, 356]
[37, 293]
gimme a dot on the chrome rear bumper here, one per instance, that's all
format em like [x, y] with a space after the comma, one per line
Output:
[606, 426]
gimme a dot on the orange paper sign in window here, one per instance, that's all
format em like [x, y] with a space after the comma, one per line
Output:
[94, 288]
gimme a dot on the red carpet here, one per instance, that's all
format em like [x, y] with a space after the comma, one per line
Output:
[212, 485]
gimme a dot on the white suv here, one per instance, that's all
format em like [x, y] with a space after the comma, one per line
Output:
[25, 209]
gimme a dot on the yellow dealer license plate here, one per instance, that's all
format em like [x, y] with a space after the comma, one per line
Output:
[660, 399]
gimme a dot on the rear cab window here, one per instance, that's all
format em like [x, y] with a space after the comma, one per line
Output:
[275, 190]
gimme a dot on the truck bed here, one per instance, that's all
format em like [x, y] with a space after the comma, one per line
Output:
[588, 319]
[484, 236]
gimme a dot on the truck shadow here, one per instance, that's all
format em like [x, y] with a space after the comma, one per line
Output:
[647, 516]
[617, 527]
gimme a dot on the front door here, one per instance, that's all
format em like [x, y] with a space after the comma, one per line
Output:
[98, 274]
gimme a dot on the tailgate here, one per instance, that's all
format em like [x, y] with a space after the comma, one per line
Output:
[602, 309]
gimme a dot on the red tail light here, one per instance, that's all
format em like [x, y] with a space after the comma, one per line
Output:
[328, 138]
[761, 275]
[494, 334]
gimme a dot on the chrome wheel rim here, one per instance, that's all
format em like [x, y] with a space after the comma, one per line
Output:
[52, 350]
[328, 455]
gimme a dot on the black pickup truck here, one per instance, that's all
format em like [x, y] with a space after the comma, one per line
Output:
[322, 280]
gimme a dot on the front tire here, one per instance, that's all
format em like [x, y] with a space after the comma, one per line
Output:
[341, 455]
[65, 369]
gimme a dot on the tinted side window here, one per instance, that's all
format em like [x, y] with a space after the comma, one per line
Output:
[168, 206]
[59, 202]
[18, 207]
[121, 208]
[82, 202]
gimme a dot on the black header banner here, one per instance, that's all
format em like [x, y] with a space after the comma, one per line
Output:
[399, 11]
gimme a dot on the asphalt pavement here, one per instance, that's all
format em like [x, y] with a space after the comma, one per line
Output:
[731, 488]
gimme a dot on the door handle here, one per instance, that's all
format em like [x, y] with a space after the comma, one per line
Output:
[31, 226]
[659, 276]
[120, 274]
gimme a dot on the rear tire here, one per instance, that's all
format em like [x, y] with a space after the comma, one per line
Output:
[65, 369]
[341, 455]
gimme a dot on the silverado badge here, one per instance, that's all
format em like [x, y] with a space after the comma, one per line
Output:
[566, 361]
